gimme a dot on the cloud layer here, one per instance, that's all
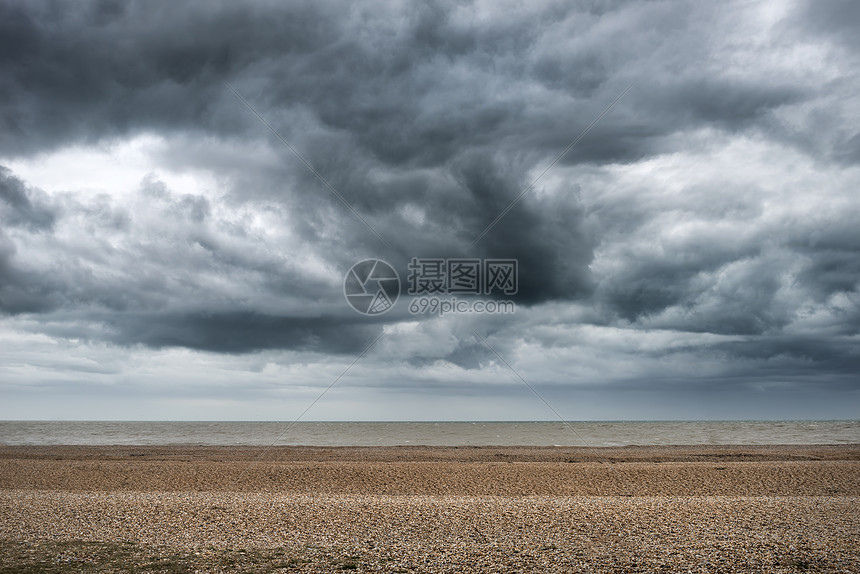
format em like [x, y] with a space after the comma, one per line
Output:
[700, 238]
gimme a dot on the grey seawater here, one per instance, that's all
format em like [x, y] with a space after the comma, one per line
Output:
[608, 433]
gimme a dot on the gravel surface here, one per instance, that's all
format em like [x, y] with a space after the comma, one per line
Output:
[791, 513]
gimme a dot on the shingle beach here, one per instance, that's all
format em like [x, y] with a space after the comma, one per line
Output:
[428, 509]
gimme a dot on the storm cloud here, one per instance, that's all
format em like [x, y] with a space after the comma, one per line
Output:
[701, 231]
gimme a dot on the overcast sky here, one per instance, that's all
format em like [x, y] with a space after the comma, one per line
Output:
[164, 255]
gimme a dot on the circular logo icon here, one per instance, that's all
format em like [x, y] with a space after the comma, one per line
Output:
[371, 287]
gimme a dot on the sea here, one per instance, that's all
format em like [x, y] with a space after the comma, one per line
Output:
[478, 433]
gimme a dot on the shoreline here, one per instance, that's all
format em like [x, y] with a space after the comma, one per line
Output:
[431, 453]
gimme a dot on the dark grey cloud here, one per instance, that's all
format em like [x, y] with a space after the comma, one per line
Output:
[20, 206]
[27, 208]
[238, 332]
[163, 273]
[835, 22]
[831, 256]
